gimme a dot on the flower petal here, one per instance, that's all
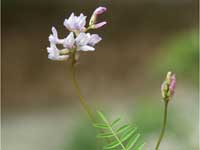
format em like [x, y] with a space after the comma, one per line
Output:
[94, 39]
[86, 48]
[69, 41]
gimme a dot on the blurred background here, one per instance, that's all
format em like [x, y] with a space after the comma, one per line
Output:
[143, 40]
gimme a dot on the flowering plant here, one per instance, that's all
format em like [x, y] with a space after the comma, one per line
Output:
[79, 39]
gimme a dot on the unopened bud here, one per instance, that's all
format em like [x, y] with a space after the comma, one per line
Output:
[98, 25]
[168, 86]
[97, 11]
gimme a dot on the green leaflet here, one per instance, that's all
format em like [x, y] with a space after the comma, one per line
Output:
[112, 145]
[115, 122]
[101, 126]
[139, 147]
[124, 137]
[128, 134]
[105, 135]
[123, 128]
[132, 141]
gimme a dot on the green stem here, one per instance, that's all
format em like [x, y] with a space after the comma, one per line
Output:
[163, 127]
[78, 91]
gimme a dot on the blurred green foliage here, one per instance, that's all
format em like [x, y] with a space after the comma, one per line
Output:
[148, 115]
[84, 137]
[181, 55]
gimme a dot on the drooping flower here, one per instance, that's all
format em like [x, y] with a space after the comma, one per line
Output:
[98, 11]
[168, 86]
[53, 38]
[54, 54]
[75, 23]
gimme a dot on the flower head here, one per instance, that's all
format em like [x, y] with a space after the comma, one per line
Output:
[77, 40]
[168, 86]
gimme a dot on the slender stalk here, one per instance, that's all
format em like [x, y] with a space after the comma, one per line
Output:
[78, 91]
[163, 127]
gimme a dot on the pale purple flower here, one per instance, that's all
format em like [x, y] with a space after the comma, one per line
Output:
[75, 23]
[94, 39]
[69, 41]
[85, 42]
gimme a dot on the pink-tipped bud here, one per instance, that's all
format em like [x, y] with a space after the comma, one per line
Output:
[172, 85]
[97, 11]
[168, 86]
[100, 10]
[99, 25]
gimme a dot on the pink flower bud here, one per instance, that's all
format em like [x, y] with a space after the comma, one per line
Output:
[97, 11]
[99, 25]
[100, 10]
[172, 85]
[168, 86]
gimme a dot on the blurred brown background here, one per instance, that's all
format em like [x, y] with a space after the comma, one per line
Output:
[38, 100]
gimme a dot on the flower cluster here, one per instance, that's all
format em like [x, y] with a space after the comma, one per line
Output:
[78, 39]
[168, 86]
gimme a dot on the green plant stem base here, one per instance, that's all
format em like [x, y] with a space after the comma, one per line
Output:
[163, 127]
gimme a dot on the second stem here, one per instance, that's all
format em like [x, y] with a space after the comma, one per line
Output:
[164, 125]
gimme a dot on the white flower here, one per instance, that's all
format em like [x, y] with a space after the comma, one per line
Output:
[75, 23]
[54, 53]
[68, 43]
[85, 42]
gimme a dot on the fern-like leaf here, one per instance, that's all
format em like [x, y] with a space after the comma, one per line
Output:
[124, 137]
